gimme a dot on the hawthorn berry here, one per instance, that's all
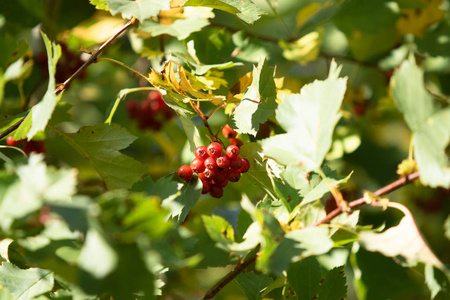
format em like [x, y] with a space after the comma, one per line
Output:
[223, 162]
[209, 174]
[228, 132]
[197, 165]
[214, 149]
[234, 176]
[232, 151]
[11, 142]
[206, 186]
[185, 172]
[210, 163]
[235, 141]
[235, 163]
[245, 165]
[201, 153]
[216, 191]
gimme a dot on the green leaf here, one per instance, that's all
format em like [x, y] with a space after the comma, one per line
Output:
[100, 4]
[312, 241]
[430, 127]
[97, 257]
[447, 227]
[219, 230]
[180, 28]
[191, 130]
[430, 142]
[309, 119]
[100, 144]
[141, 9]
[25, 284]
[334, 286]
[246, 10]
[252, 284]
[410, 95]
[258, 102]
[42, 112]
[179, 197]
[304, 277]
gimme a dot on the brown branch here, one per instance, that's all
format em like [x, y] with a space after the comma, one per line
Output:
[204, 119]
[361, 201]
[64, 85]
[228, 278]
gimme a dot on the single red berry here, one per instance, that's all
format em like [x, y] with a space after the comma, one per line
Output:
[234, 176]
[220, 179]
[197, 165]
[228, 132]
[202, 177]
[235, 141]
[201, 153]
[185, 172]
[206, 186]
[245, 165]
[223, 184]
[214, 149]
[216, 191]
[33, 146]
[210, 163]
[223, 162]
[222, 170]
[235, 163]
[11, 142]
[232, 151]
[209, 174]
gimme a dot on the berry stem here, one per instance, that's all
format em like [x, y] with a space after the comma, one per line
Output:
[196, 107]
[91, 59]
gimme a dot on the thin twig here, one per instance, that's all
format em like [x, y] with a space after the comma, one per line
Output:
[204, 120]
[64, 85]
[228, 278]
[361, 201]
[124, 66]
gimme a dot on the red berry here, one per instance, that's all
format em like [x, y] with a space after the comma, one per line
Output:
[33, 146]
[214, 150]
[11, 142]
[232, 151]
[202, 177]
[228, 132]
[220, 179]
[216, 191]
[210, 163]
[197, 165]
[236, 163]
[235, 141]
[245, 165]
[222, 170]
[185, 172]
[223, 162]
[206, 187]
[201, 153]
[234, 176]
[209, 174]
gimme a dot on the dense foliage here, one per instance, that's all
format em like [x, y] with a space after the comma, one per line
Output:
[224, 149]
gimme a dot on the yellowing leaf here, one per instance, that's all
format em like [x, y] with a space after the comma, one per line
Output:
[303, 50]
[416, 21]
[97, 29]
[308, 11]
[237, 91]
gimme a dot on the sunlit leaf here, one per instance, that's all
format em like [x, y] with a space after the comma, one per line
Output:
[219, 230]
[100, 144]
[258, 102]
[141, 9]
[416, 20]
[309, 119]
[246, 10]
[25, 284]
[180, 28]
[304, 50]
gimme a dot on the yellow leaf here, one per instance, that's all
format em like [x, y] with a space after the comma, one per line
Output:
[308, 11]
[237, 91]
[303, 50]
[416, 21]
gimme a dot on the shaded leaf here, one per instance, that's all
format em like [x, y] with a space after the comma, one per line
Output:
[141, 9]
[25, 284]
[334, 286]
[252, 284]
[304, 277]
[309, 119]
[100, 144]
[258, 102]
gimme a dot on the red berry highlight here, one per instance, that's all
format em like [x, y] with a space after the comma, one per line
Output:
[232, 151]
[223, 162]
[185, 172]
[197, 165]
[201, 153]
[210, 163]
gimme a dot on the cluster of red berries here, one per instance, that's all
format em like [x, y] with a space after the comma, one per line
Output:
[68, 63]
[27, 146]
[214, 168]
[151, 112]
[231, 134]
